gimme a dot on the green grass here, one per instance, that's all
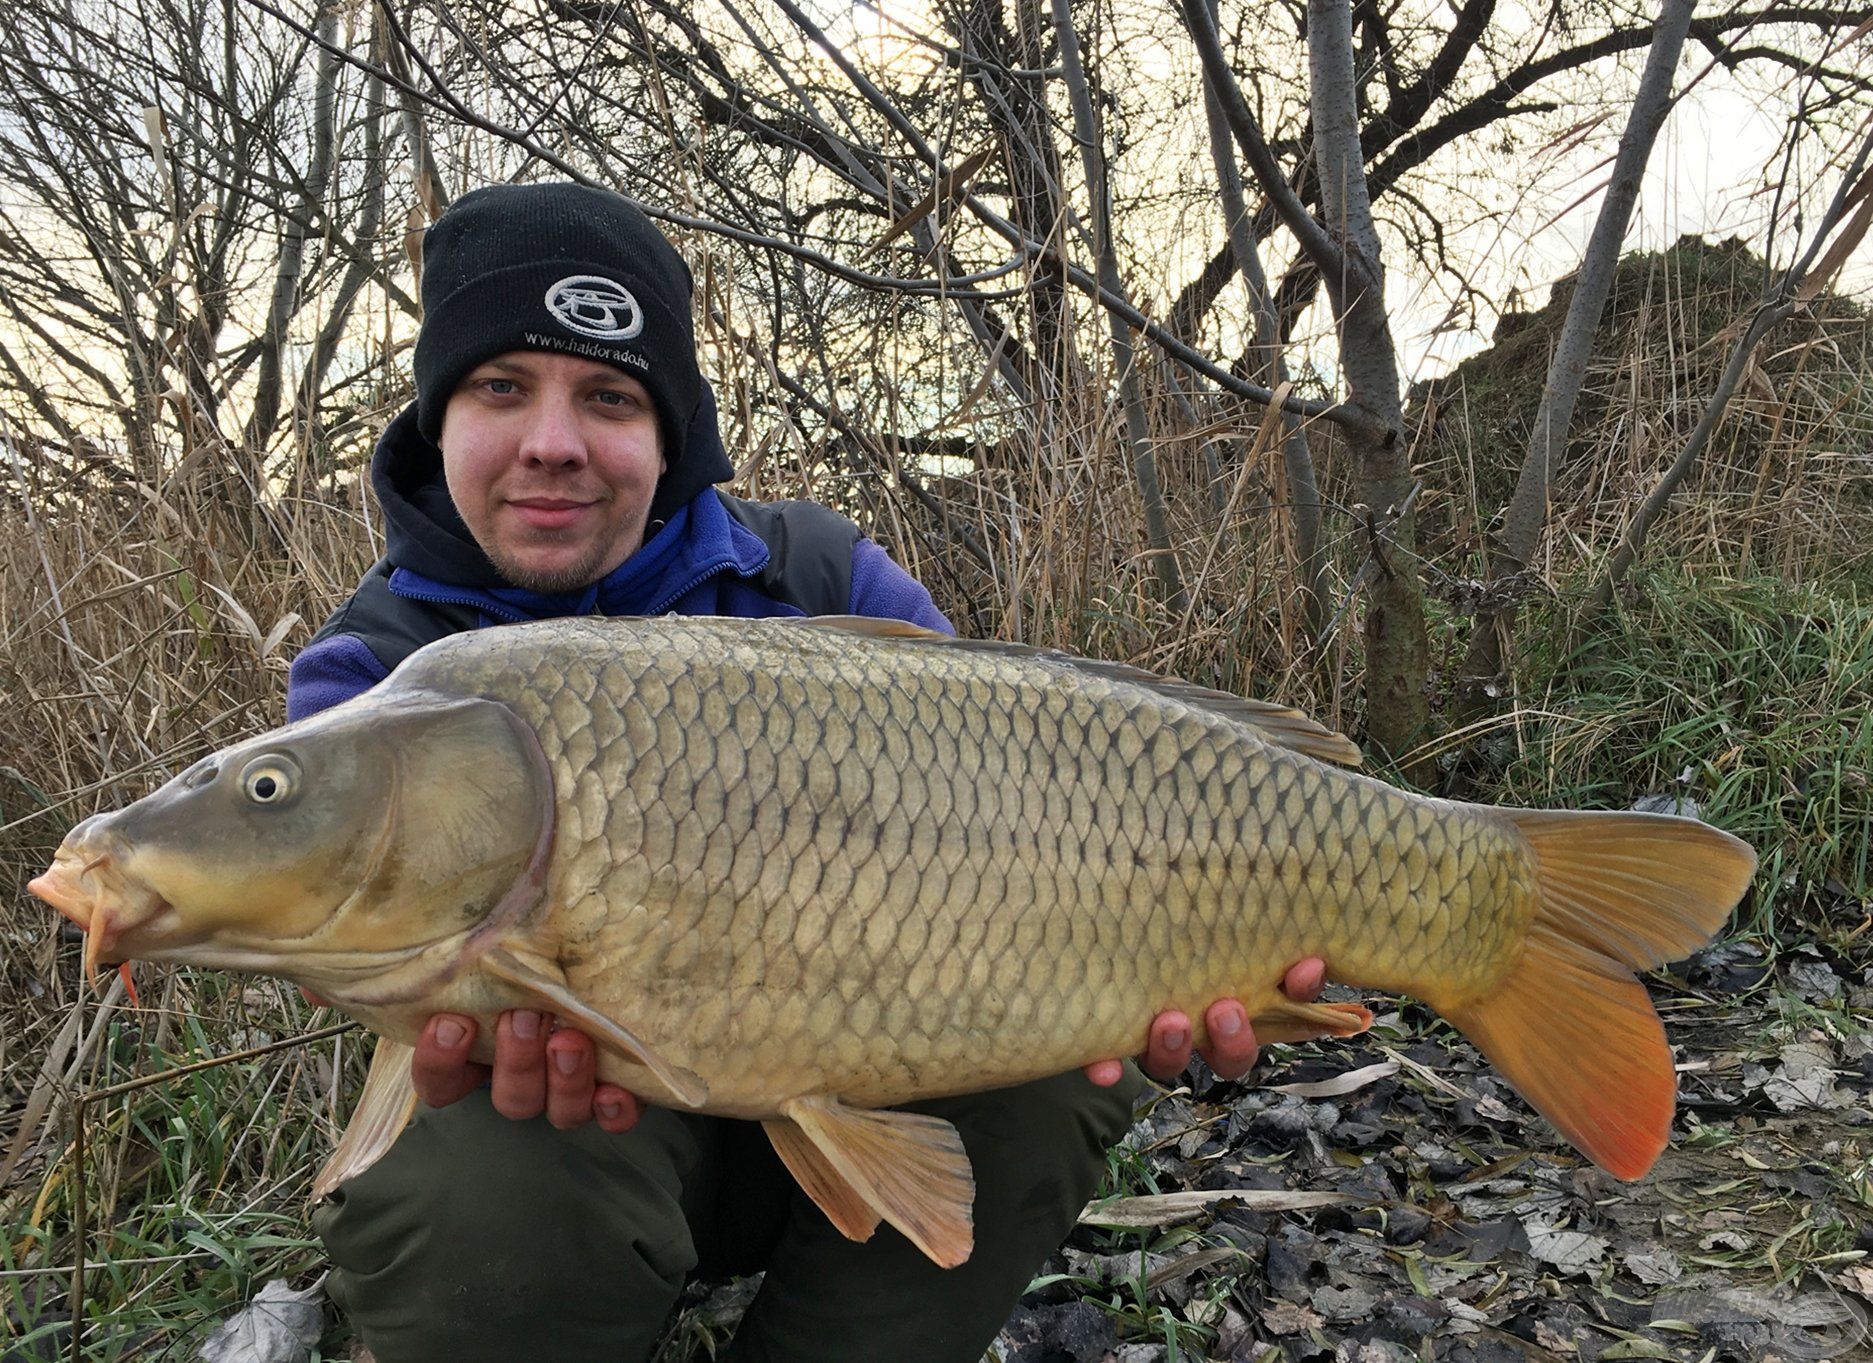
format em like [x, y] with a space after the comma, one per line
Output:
[1751, 698]
[194, 1188]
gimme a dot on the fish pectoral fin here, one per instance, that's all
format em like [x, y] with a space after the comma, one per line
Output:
[383, 1110]
[843, 1204]
[553, 996]
[909, 1169]
[1292, 1020]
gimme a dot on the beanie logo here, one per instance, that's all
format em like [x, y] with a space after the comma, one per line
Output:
[595, 306]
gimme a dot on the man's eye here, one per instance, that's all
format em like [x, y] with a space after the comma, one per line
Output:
[499, 387]
[608, 397]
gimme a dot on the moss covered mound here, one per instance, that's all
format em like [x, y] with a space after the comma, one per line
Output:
[1786, 485]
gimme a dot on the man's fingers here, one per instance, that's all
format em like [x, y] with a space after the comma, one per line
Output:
[1167, 1049]
[1232, 1049]
[1106, 1073]
[571, 1076]
[617, 1111]
[519, 1088]
[440, 1068]
[1305, 979]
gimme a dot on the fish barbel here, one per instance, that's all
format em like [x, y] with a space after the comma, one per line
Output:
[799, 871]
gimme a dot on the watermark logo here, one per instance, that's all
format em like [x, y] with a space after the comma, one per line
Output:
[595, 306]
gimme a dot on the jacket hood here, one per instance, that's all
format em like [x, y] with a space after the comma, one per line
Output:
[425, 533]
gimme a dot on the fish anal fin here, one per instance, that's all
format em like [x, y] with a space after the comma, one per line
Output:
[1291, 1020]
[547, 985]
[910, 1169]
[383, 1110]
[844, 1206]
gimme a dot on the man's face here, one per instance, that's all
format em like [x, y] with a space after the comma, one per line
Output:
[552, 461]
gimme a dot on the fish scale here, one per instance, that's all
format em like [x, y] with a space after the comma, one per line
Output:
[803, 871]
[1043, 830]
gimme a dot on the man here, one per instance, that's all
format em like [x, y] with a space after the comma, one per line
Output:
[561, 459]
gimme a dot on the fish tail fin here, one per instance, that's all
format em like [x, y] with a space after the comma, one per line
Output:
[1569, 1025]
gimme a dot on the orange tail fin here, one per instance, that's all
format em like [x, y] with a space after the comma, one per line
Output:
[1570, 1027]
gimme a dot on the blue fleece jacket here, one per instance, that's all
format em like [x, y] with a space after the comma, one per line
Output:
[701, 562]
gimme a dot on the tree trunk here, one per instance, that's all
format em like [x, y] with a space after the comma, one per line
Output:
[1397, 650]
[270, 381]
[1269, 367]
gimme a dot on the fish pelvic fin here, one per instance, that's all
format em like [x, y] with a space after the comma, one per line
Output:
[1570, 1026]
[844, 1205]
[862, 1166]
[383, 1110]
[548, 988]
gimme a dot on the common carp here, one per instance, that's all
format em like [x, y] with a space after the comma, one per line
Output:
[799, 871]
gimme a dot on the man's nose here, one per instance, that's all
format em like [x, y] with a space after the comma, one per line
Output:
[552, 438]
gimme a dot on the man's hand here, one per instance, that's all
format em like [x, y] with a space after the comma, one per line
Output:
[537, 1069]
[1232, 1049]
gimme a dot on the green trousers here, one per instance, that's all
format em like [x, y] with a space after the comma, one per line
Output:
[482, 1240]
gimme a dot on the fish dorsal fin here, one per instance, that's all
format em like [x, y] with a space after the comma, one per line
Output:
[548, 988]
[903, 1167]
[383, 1110]
[1279, 724]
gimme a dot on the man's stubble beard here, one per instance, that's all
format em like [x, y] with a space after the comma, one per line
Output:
[576, 577]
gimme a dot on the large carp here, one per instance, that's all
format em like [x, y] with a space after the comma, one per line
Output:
[800, 871]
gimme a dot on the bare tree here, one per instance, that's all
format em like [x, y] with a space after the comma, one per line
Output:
[895, 233]
[1526, 516]
[165, 163]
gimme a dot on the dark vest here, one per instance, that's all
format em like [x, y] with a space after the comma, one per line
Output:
[809, 567]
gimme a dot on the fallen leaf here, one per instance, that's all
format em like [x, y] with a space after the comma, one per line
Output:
[1655, 1267]
[1341, 1084]
[1570, 1251]
[1343, 1304]
[1814, 981]
[1858, 1278]
[1637, 1348]
[280, 1325]
[1289, 1318]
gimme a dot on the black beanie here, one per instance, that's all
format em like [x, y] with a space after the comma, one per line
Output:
[559, 267]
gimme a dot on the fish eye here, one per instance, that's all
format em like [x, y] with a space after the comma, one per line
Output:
[270, 780]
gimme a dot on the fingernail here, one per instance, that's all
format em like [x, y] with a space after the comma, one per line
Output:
[566, 1061]
[526, 1024]
[1229, 1023]
[450, 1034]
[610, 1108]
[1175, 1040]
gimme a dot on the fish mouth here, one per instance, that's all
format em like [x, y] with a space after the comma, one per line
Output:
[88, 886]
